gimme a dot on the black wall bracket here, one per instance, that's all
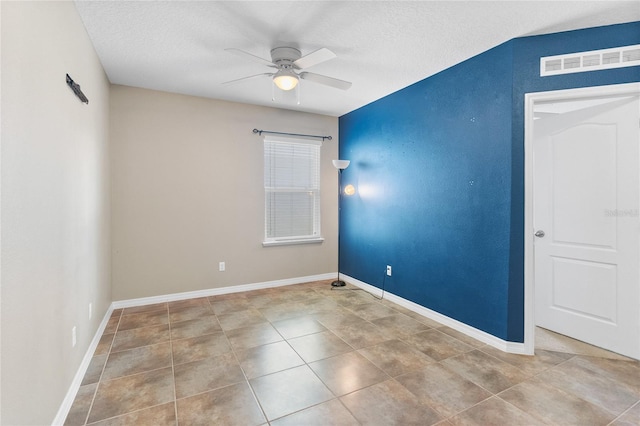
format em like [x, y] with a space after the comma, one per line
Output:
[76, 89]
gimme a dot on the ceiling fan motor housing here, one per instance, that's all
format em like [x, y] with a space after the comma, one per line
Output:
[284, 57]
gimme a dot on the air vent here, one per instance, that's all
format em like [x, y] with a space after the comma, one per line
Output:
[627, 56]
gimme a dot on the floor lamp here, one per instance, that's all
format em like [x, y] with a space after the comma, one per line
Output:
[340, 165]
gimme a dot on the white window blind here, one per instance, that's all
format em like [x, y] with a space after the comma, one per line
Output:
[291, 190]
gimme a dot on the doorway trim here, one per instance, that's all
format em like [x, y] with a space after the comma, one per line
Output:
[530, 100]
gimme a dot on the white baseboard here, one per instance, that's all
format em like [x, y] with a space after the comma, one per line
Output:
[218, 291]
[489, 339]
[67, 402]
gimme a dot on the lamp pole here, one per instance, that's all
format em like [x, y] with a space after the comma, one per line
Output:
[340, 165]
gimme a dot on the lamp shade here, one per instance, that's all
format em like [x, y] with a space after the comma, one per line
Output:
[341, 164]
[285, 79]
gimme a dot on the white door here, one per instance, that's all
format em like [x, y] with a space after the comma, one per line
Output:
[586, 201]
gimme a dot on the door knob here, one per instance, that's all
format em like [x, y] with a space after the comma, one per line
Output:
[539, 233]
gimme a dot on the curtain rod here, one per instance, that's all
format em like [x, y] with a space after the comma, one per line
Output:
[260, 132]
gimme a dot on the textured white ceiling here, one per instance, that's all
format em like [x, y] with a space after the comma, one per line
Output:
[382, 46]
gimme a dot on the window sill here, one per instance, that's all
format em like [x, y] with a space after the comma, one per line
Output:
[292, 242]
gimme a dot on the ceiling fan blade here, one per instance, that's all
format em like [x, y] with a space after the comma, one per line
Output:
[248, 55]
[327, 81]
[248, 78]
[314, 58]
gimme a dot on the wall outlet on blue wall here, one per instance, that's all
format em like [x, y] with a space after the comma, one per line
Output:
[388, 270]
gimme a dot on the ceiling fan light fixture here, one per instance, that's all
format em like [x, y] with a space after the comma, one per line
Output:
[285, 79]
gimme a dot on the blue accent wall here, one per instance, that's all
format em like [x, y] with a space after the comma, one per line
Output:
[439, 168]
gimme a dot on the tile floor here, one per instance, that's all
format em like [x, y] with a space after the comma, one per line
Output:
[307, 355]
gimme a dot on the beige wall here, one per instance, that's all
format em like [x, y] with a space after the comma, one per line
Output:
[187, 193]
[55, 246]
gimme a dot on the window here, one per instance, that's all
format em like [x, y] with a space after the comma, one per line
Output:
[291, 191]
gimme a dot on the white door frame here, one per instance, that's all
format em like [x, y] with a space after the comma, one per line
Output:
[530, 99]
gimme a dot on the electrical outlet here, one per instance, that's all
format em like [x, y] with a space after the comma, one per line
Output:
[90, 310]
[388, 270]
[221, 266]
[73, 337]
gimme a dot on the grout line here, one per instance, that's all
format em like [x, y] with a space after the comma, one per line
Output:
[247, 381]
[534, 414]
[127, 413]
[637, 403]
[173, 368]
[104, 366]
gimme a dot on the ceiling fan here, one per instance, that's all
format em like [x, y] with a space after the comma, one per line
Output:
[287, 61]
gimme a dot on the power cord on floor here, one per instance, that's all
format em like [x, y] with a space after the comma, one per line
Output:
[384, 279]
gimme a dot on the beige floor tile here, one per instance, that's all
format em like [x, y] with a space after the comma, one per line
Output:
[350, 294]
[461, 336]
[494, 412]
[296, 296]
[362, 334]
[630, 417]
[137, 360]
[335, 318]
[195, 348]
[116, 313]
[443, 390]
[104, 344]
[330, 413]
[143, 319]
[400, 325]
[389, 403]
[231, 405]
[241, 319]
[437, 345]
[236, 295]
[548, 340]
[289, 391]
[316, 284]
[187, 303]
[207, 374]
[267, 359]
[444, 423]
[258, 301]
[318, 304]
[112, 324]
[131, 393]
[136, 337]
[395, 357]
[144, 308]
[314, 347]
[554, 406]
[81, 404]
[94, 371]
[255, 335]
[283, 312]
[627, 372]
[347, 372]
[160, 415]
[195, 327]
[575, 378]
[227, 306]
[372, 310]
[185, 313]
[532, 365]
[299, 326]
[485, 371]
[414, 315]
